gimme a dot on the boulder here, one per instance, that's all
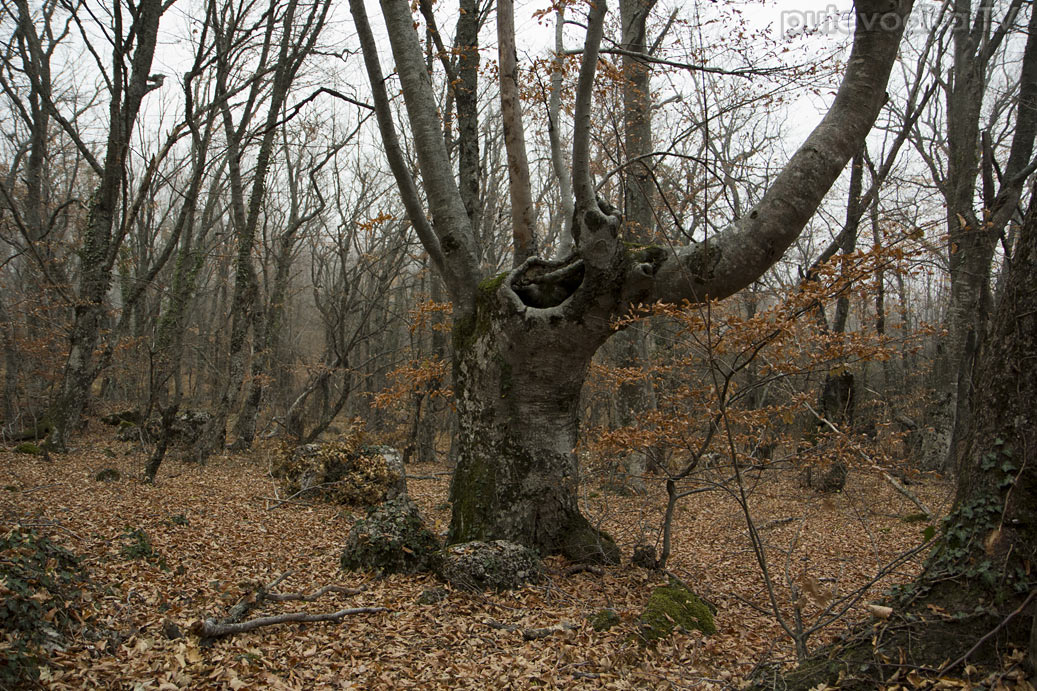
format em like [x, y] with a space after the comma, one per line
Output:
[186, 428]
[497, 565]
[342, 472]
[392, 539]
[644, 557]
[672, 607]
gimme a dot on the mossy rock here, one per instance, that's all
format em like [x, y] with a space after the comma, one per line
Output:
[107, 475]
[27, 447]
[392, 539]
[604, 620]
[497, 565]
[185, 429]
[645, 558]
[827, 480]
[672, 607]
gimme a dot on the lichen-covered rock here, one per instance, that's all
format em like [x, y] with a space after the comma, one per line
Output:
[344, 471]
[392, 539]
[107, 475]
[185, 429]
[671, 607]
[134, 417]
[497, 565]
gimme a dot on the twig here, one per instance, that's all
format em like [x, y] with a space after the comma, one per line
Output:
[210, 628]
[580, 568]
[279, 502]
[46, 524]
[37, 489]
[433, 476]
[776, 522]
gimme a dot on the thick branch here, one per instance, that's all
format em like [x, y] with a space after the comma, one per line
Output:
[741, 253]
[522, 217]
[391, 143]
[449, 216]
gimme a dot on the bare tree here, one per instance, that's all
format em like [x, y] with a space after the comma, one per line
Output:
[968, 176]
[128, 79]
[288, 41]
[523, 340]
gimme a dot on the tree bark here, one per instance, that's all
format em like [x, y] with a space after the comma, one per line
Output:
[517, 379]
[100, 245]
[972, 236]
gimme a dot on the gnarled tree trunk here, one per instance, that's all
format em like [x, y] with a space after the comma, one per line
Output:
[517, 377]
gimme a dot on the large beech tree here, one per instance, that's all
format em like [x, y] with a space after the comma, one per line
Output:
[523, 340]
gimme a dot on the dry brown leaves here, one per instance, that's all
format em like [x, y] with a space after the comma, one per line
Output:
[231, 540]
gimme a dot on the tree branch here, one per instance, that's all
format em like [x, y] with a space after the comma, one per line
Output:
[742, 252]
[210, 628]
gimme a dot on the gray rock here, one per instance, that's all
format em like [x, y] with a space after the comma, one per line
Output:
[497, 565]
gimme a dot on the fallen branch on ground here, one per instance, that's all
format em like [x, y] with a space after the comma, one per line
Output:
[529, 634]
[232, 623]
[341, 590]
[210, 628]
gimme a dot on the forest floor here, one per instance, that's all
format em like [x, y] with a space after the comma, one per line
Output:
[214, 531]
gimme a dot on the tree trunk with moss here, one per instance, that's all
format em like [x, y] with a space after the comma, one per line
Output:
[517, 377]
[988, 550]
[980, 577]
[524, 340]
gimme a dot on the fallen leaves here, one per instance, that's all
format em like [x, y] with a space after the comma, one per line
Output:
[214, 539]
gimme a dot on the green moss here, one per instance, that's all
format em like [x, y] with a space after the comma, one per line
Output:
[674, 606]
[488, 287]
[27, 447]
[467, 494]
[604, 620]
[137, 545]
[468, 329]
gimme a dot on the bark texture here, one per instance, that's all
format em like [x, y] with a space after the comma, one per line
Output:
[517, 377]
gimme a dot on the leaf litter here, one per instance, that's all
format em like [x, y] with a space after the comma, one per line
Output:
[213, 538]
